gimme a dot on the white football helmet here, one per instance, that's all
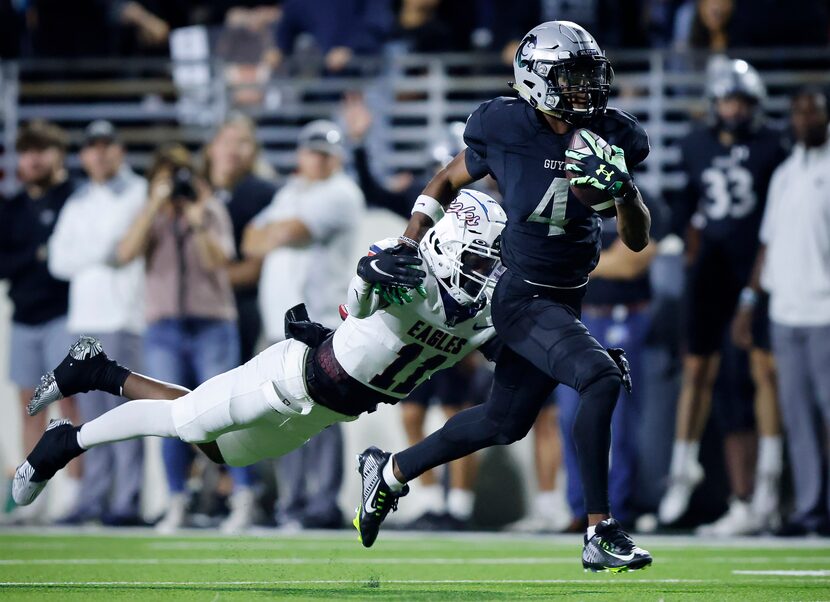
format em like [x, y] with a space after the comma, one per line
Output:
[462, 249]
[561, 70]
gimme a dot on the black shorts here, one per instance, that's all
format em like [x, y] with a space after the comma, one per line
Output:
[713, 285]
[760, 324]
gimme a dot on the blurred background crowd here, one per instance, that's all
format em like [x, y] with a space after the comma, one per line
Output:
[176, 175]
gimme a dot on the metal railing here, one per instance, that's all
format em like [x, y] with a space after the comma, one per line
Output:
[413, 99]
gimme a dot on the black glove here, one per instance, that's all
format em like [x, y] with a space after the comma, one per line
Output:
[618, 355]
[392, 267]
[300, 327]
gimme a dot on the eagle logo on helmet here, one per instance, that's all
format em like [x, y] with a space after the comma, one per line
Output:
[525, 51]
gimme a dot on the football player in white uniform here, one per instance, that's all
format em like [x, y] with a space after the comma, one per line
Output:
[296, 388]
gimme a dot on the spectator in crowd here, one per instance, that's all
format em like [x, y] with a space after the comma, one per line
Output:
[705, 25]
[419, 27]
[307, 239]
[104, 301]
[38, 331]
[397, 197]
[338, 28]
[186, 238]
[243, 46]
[230, 161]
[793, 265]
[616, 311]
[455, 389]
[728, 163]
[548, 512]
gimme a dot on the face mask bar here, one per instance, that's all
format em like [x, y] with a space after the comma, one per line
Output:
[579, 88]
[473, 268]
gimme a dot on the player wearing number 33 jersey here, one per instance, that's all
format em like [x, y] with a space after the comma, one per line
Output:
[296, 388]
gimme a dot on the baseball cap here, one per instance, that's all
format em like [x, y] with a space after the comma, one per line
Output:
[99, 129]
[322, 136]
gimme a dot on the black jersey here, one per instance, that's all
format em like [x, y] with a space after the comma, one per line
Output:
[550, 238]
[727, 187]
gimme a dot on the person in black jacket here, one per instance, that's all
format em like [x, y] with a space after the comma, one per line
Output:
[38, 334]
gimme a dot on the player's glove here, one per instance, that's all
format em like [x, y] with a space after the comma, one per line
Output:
[601, 169]
[393, 273]
[618, 355]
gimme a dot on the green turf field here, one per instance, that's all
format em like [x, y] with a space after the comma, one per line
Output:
[141, 566]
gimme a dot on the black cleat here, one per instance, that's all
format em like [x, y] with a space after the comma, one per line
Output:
[377, 498]
[77, 373]
[56, 448]
[611, 549]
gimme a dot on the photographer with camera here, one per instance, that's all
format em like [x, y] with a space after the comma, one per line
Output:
[185, 236]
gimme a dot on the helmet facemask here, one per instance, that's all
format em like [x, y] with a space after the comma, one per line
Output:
[473, 271]
[577, 89]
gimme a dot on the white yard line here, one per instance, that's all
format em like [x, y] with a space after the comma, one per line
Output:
[381, 582]
[290, 560]
[786, 573]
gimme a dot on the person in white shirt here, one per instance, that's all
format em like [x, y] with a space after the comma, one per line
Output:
[105, 300]
[307, 238]
[793, 266]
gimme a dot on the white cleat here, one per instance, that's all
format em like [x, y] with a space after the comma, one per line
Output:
[49, 390]
[738, 520]
[675, 501]
[24, 489]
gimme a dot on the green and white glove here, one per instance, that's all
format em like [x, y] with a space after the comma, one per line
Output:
[600, 168]
[397, 295]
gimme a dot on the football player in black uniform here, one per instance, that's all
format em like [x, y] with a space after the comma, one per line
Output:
[729, 162]
[550, 245]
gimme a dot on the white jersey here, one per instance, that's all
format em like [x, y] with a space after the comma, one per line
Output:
[394, 349]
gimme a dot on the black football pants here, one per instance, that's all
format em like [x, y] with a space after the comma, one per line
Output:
[545, 344]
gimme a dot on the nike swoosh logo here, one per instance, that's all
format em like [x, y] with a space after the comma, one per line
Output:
[481, 327]
[366, 506]
[624, 558]
[373, 263]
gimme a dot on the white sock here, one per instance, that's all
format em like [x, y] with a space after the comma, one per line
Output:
[545, 503]
[131, 420]
[770, 456]
[683, 454]
[433, 497]
[389, 477]
[460, 504]
[591, 530]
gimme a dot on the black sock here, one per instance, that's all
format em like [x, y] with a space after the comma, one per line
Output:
[62, 448]
[112, 377]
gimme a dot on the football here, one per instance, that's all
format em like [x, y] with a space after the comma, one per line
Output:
[599, 201]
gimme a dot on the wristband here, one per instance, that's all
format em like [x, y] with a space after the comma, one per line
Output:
[428, 206]
[748, 298]
[408, 241]
[628, 196]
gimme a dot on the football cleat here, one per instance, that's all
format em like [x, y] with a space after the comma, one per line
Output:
[56, 448]
[611, 549]
[75, 374]
[377, 499]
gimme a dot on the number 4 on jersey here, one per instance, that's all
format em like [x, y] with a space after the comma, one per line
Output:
[556, 221]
